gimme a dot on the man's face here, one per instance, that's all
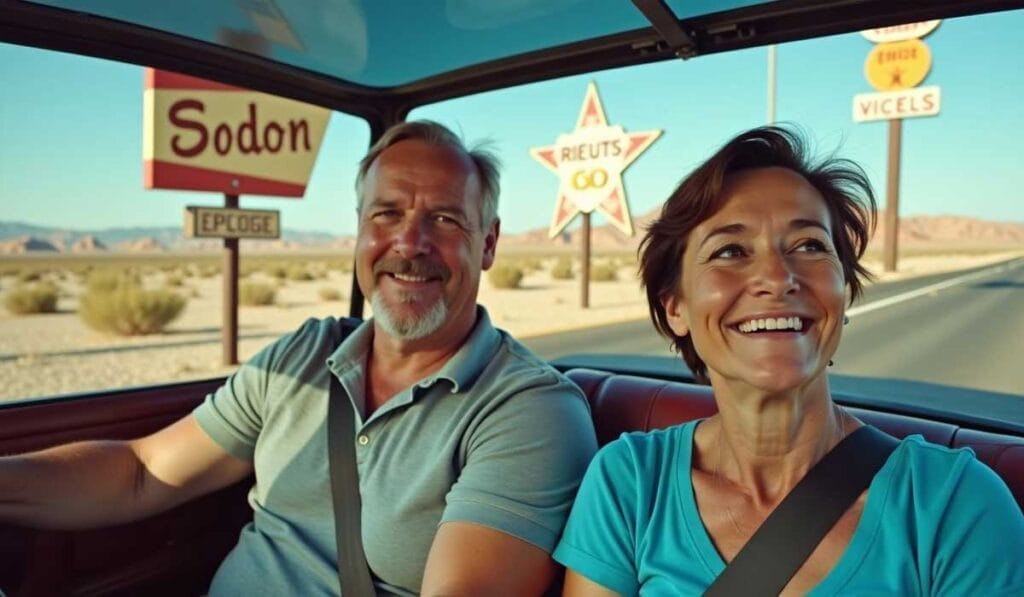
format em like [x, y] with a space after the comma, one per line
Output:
[420, 248]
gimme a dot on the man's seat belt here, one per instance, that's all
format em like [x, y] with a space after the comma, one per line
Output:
[353, 571]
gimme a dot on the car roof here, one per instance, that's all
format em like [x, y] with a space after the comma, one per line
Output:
[379, 60]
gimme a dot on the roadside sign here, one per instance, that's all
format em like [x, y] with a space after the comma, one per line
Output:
[218, 222]
[905, 103]
[901, 32]
[204, 136]
[897, 65]
[590, 161]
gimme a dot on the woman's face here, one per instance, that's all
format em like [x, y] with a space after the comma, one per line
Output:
[762, 291]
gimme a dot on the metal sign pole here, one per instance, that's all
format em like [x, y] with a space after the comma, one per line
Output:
[229, 329]
[892, 196]
[585, 263]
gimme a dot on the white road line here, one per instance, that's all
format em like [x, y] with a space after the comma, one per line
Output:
[906, 296]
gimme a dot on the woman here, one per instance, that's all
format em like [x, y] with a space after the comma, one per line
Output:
[748, 271]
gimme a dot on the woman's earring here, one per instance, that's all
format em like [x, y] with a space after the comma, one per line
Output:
[830, 363]
[846, 319]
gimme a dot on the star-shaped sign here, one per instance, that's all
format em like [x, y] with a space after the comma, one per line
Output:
[590, 162]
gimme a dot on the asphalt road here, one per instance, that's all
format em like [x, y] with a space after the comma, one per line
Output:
[961, 329]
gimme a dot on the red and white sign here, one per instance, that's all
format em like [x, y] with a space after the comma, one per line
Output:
[205, 136]
[889, 105]
[590, 162]
[901, 32]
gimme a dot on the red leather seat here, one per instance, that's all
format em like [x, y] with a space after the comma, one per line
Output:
[621, 403]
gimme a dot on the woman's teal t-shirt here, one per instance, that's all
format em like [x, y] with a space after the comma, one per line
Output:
[936, 522]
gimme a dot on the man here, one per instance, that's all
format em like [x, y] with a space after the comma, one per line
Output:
[469, 449]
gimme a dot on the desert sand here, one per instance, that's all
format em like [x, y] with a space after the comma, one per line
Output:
[51, 354]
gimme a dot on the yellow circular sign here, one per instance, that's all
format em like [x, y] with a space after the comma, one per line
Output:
[898, 64]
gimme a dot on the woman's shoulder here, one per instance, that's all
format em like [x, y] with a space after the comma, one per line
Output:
[945, 472]
[919, 454]
[645, 450]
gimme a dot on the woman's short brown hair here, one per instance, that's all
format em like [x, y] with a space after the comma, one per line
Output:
[842, 183]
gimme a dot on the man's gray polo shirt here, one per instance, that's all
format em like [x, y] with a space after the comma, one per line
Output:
[496, 437]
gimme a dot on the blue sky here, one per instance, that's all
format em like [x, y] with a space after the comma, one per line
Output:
[70, 131]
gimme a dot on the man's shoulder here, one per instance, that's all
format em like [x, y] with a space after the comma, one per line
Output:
[315, 339]
[519, 366]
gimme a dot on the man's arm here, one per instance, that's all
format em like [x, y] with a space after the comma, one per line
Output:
[505, 513]
[469, 559]
[101, 483]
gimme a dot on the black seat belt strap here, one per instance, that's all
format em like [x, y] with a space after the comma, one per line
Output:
[353, 571]
[765, 565]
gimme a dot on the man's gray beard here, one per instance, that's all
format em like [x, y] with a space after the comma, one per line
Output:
[411, 328]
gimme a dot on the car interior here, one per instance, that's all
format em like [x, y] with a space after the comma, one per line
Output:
[177, 552]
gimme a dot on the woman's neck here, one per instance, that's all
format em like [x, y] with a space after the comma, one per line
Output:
[766, 443]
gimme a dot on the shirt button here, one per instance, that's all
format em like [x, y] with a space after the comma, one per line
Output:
[363, 440]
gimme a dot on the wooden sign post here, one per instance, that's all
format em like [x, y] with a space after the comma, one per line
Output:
[206, 136]
[895, 66]
[590, 162]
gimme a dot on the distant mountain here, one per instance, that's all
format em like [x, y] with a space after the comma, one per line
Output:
[915, 231]
[15, 235]
[26, 243]
[88, 244]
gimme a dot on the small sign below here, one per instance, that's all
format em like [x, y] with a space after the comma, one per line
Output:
[898, 65]
[889, 105]
[900, 32]
[218, 222]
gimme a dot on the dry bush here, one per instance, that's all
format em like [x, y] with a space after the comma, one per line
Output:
[101, 281]
[505, 276]
[31, 275]
[130, 310]
[604, 272]
[299, 273]
[32, 298]
[328, 293]
[256, 294]
[276, 271]
[173, 280]
[562, 269]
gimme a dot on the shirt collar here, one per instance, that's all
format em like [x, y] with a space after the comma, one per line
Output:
[460, 371]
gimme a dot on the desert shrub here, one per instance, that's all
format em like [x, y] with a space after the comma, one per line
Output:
[130, 310]
[341, 265]
[328, 293]
[209, 271]
[505, 276]
[562, 269]
[256, 294]
[532, 264]
[173, 280]
[300, 273]
[31, 298]
[604, 272]
[29, 276]
[101, 281]
[276, 271]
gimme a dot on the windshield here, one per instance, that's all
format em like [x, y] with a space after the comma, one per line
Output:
[75, 212]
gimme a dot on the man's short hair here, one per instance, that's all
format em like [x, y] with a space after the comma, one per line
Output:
[486, 162]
